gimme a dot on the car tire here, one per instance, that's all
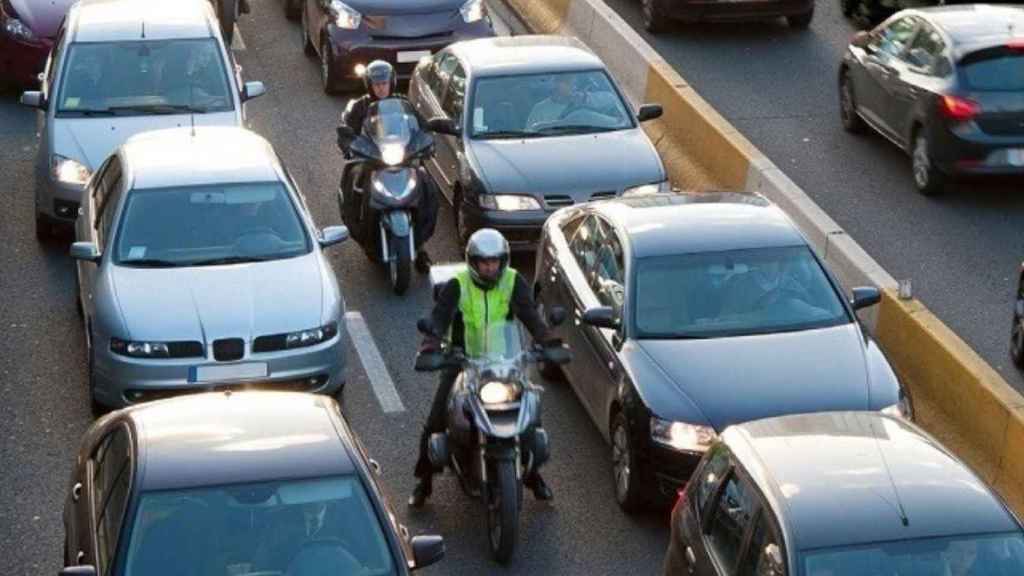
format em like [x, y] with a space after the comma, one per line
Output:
[78, 295]
[292, 9]
[1016, 331]
[928, 180]
[96, 408]
[801, 21]
[852, 122]
[328, 77]
[626, 472]
[462, 231]
[307, 42]
[654, 18]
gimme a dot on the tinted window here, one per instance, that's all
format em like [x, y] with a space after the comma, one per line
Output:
[54, 62]
[609, 268]
[996, 70]
[108, 196]
[926, 48]
[764, 556]
[150, 77]
[716, 464]
[734, 292]
[584, 245]
[894, 38]
[305, 527]
[733, 512]
[987, 555]
[209, 225]
[110, 483]
[455, 94]
[547, 104]
[570, 226]
[442, 74]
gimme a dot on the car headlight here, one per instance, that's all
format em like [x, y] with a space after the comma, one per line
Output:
[472, 10]
[344, 15]
[311, 337]
[140, 349]
[498, 393]
[392, 154]
[659, 187]
[508, 202]
[16, 28]
[682, 436]
[69, 171]
[901, 409]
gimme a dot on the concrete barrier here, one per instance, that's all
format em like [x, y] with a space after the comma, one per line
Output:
[958, 397]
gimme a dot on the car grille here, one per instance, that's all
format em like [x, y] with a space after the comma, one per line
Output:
[557, 201]
[185, 349]
[1002, 125]
[227, 349]
[271, 343]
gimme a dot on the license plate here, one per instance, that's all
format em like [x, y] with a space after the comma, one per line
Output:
[1015, 156]
[412, 56]
[245, 371]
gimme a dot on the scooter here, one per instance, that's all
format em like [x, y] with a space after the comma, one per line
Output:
[385, 183]
[492, 440]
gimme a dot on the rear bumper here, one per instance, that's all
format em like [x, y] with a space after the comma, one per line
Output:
[728, 10]
[21, 62]
[965, 152]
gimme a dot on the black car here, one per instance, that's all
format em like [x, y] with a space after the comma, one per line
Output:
[1017, 327]
[697, 311]
[657, 14]
[530, 124]
[241, 483]
[944, 84]
[346, 36]
[839, 494]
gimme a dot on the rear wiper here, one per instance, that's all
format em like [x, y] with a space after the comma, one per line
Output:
[228, 260]
[160, 109]
[150, 263]
[507, 134]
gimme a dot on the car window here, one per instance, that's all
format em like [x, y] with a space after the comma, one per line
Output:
[437, 73]
[110, 185]
[998, 69]
[926, 49]
[53, 62]
[731, 513]
[894, 38]
[716, 464]
[110, 483]
[455, 94]
[764, 555]
[538, 105]
[145, 77]
[608, 279]
[584, 245]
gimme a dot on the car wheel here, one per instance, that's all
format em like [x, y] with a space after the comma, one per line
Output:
[655, 20]
[462, 231]
[327, 74]
[928, 180]
[307, 42]
[852, 122]
[78, 296]
[801, 21]
[97, 408]
[292, 9]
[1017, 331]
[626, 473]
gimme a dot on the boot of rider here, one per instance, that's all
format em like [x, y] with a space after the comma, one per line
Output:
[541, 490]
[422, 491]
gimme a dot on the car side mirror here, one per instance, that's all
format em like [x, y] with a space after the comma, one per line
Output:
[426, 550]
[33, 99]
[443, 126]
[84, 570]
[557, 316]
[861, 39]
[865, 296]
[649, 112]
[253, 89]
[601, 317]
[85, 251]
[332, 235]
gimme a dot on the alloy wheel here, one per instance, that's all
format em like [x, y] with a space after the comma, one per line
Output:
[921, 163]
[620, 463]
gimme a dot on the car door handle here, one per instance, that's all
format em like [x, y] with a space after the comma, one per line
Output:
[691, 559]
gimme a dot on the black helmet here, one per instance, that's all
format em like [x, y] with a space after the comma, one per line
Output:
[486, 244]
[378, 72]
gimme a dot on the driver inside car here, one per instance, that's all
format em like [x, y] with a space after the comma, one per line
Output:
[551, 108]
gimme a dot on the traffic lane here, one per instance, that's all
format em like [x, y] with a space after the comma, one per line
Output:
[778, 87]
[44, 407]
[582, 531]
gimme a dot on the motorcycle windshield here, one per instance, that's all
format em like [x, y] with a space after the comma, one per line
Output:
[502, 343]
[392, 124]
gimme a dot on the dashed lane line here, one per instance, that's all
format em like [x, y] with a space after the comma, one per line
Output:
[373, 363]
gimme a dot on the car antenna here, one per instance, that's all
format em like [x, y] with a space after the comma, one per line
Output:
[143, 28]
[899, 503]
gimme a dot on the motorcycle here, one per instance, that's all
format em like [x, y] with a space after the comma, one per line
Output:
[492, 440]
[385, 182]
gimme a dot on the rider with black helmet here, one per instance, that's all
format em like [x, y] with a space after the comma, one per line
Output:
[488, 278]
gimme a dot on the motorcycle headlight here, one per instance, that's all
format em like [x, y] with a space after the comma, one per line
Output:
[139, 349]
[14, 27]
[344, 15]
[498, 393]
[663, 186]
[311, 337]
[901, 409]
[68, 171]
[508, 202]
[392, 154]
[472, 10]
[682, 436]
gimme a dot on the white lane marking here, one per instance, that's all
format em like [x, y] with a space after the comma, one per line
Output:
[237, 43]
[373, 363]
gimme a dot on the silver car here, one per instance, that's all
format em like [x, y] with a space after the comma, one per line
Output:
[199, 268]
[118, 68]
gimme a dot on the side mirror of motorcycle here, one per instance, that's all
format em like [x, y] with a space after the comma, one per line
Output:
[429, 362]
[557, 355]
[557, 315]
[443, 126]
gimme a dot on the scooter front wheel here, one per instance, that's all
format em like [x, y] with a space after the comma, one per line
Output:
[503, 510]
[400, 264]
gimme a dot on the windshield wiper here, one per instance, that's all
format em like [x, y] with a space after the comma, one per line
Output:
[507, 134]
[229, 260]
[150, 263]
[576, 129]
[160, 109]
[87, 112]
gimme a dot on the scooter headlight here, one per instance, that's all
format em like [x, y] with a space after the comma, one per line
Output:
[499, 393]
[392, 154]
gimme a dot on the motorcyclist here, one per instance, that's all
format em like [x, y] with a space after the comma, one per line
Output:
[489, 282]
[381, 82]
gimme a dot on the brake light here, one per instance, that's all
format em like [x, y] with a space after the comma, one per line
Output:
[1016, 44]
[959, 109]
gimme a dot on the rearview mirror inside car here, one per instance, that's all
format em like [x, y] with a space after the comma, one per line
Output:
[426, 550]
[865, 296]
[443, 126]
[601, 317]
[649, 112]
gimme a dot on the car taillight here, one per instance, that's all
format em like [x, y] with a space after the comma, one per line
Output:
[1016, 44]
[959, 109]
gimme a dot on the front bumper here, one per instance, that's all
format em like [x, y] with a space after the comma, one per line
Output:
[730, 10]
[121, 381]
[57, 201]
[522, 229]
[22, 62]
[669, 469]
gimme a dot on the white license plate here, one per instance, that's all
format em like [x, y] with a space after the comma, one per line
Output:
[1015, 156]
[412, 56]
[245, 371]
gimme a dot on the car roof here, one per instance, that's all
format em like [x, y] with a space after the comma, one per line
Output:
[842, 478]
[200, 156]
[528, 54]
[224, 438]
[661, 224]
[126, 20]
[977, 25]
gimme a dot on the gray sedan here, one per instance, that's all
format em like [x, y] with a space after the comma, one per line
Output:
[199, 267]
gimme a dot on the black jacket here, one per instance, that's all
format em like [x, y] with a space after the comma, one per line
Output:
[522, 307]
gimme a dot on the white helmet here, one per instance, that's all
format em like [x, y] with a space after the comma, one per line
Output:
[486, 244]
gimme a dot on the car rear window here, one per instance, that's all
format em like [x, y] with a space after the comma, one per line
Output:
[994, 69]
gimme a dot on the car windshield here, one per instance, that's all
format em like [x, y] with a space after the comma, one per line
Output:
[998, 69]
[293, 528]
[537, 105]
[733, 293]
[985, 555]
[193, 226]
[146, 77]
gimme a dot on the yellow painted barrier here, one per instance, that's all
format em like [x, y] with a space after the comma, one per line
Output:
[543, 16]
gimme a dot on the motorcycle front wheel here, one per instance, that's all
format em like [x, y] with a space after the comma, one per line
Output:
[400, 264]
[503, 510]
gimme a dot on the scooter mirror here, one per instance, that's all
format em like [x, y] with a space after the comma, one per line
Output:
[557, 315]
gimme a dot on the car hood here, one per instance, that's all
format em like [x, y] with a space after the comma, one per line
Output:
[387, 7]
[43, 17]
[91, 140]
[205, 303]
[733, 380]
[610, 161]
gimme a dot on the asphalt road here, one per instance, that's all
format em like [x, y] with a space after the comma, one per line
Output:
[778, 87]
[43, 399]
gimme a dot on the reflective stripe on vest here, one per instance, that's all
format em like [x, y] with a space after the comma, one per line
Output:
[482, 307]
